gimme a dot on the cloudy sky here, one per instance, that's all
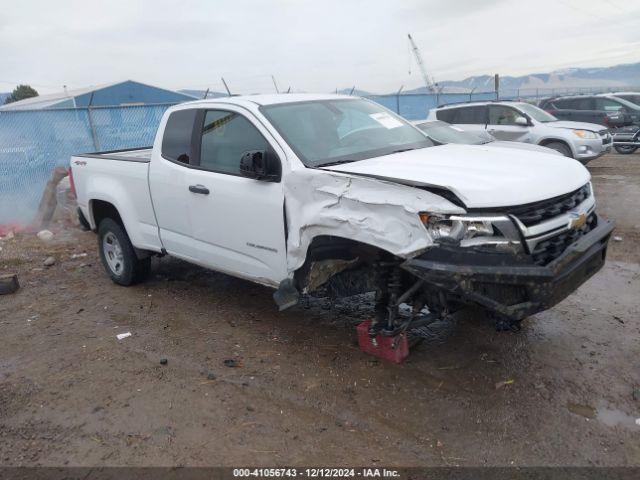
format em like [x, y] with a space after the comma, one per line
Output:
[308, 45]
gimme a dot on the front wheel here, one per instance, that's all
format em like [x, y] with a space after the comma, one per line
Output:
[560, 147]
[625, 149]
[118, 255]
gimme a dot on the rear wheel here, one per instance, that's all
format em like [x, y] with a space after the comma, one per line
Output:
[118, 255]
[560, 147]
[625, 149]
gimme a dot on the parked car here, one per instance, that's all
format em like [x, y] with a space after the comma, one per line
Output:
[626, 139]
[523, 122]
[441, 133]
[308, 193]
[607, 110]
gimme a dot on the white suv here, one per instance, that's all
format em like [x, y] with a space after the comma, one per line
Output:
[523, 122]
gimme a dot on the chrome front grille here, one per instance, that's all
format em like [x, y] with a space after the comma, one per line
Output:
[534, 213]
[551, 248]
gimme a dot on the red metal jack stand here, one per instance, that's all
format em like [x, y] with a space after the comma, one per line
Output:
[393, 349]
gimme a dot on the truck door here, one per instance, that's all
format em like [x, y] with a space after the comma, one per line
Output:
[237, 223]
[169, 182]
[503, 124]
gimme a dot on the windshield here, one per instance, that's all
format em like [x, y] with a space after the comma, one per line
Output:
[629, 97]
[536, 113]
[442, 132]
[627, 103]
[328, 132]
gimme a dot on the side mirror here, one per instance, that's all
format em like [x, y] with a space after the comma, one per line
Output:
[260, 165]
[522, 121]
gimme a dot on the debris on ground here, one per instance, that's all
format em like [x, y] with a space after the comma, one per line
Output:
[504, 383]
[7, 232]
[163, 361]
[586, 411]
[78, 255]
[49, 261]
[8, 284]
[636, 393]
[617, 239]
[45, 235]
[120, 336]
[232, 362]
[211, 376]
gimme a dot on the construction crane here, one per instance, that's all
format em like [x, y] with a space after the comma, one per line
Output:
[428, 81]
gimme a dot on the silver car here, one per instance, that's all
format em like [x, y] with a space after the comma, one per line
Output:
[523, 122]
[441, 133]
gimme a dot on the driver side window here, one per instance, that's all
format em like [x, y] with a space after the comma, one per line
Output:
[225, 137]
[501, 115]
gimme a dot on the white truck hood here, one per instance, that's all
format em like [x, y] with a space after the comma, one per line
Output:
[575, 125]
[480, 176]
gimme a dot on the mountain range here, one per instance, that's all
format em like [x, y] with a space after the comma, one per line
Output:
[624, 75]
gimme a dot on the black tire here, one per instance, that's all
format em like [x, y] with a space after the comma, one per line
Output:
[563, 148]
[84, 224]
[625, 149]
[125, 268]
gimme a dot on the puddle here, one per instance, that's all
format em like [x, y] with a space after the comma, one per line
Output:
[612, 417]
[586, 411]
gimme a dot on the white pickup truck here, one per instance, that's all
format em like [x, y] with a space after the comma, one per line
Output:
[334, 194]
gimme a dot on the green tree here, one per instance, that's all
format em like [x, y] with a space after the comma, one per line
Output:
[20, 93]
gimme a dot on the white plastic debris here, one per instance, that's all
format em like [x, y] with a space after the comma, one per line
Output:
[45, 235]
[120, 336]
[617, 239]
[638, 421]
[78, 255]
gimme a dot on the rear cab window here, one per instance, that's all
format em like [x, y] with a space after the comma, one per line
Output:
[177, 139]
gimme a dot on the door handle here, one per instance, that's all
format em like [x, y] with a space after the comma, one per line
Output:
[201, 189]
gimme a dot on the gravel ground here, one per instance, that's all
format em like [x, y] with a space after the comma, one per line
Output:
[299, 392]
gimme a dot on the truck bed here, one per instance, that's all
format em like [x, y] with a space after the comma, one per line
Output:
[119, 178]
[126, 155]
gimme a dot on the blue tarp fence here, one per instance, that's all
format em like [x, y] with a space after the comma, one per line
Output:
[34, 142]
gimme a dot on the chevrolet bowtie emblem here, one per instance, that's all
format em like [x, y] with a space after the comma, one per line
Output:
[577, 220]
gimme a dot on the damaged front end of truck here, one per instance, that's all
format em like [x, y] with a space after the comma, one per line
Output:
[420, 246]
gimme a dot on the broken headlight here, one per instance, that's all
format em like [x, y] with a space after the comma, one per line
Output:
[496, 233]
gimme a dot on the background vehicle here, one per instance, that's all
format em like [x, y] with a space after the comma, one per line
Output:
[523, 122]
[308, 193]
[441, 133]
[607, 110]
[626, 140]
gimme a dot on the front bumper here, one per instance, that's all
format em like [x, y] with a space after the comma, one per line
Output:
[508, 284]
[587, 150]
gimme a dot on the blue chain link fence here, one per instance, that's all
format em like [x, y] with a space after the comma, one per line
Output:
[417, 106]
[34, 142]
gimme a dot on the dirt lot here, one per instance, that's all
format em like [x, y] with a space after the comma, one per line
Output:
[302, 393]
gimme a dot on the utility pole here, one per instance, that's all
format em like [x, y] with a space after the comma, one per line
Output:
[428, 81]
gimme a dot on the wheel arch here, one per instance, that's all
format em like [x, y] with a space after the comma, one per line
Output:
[548, 140]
